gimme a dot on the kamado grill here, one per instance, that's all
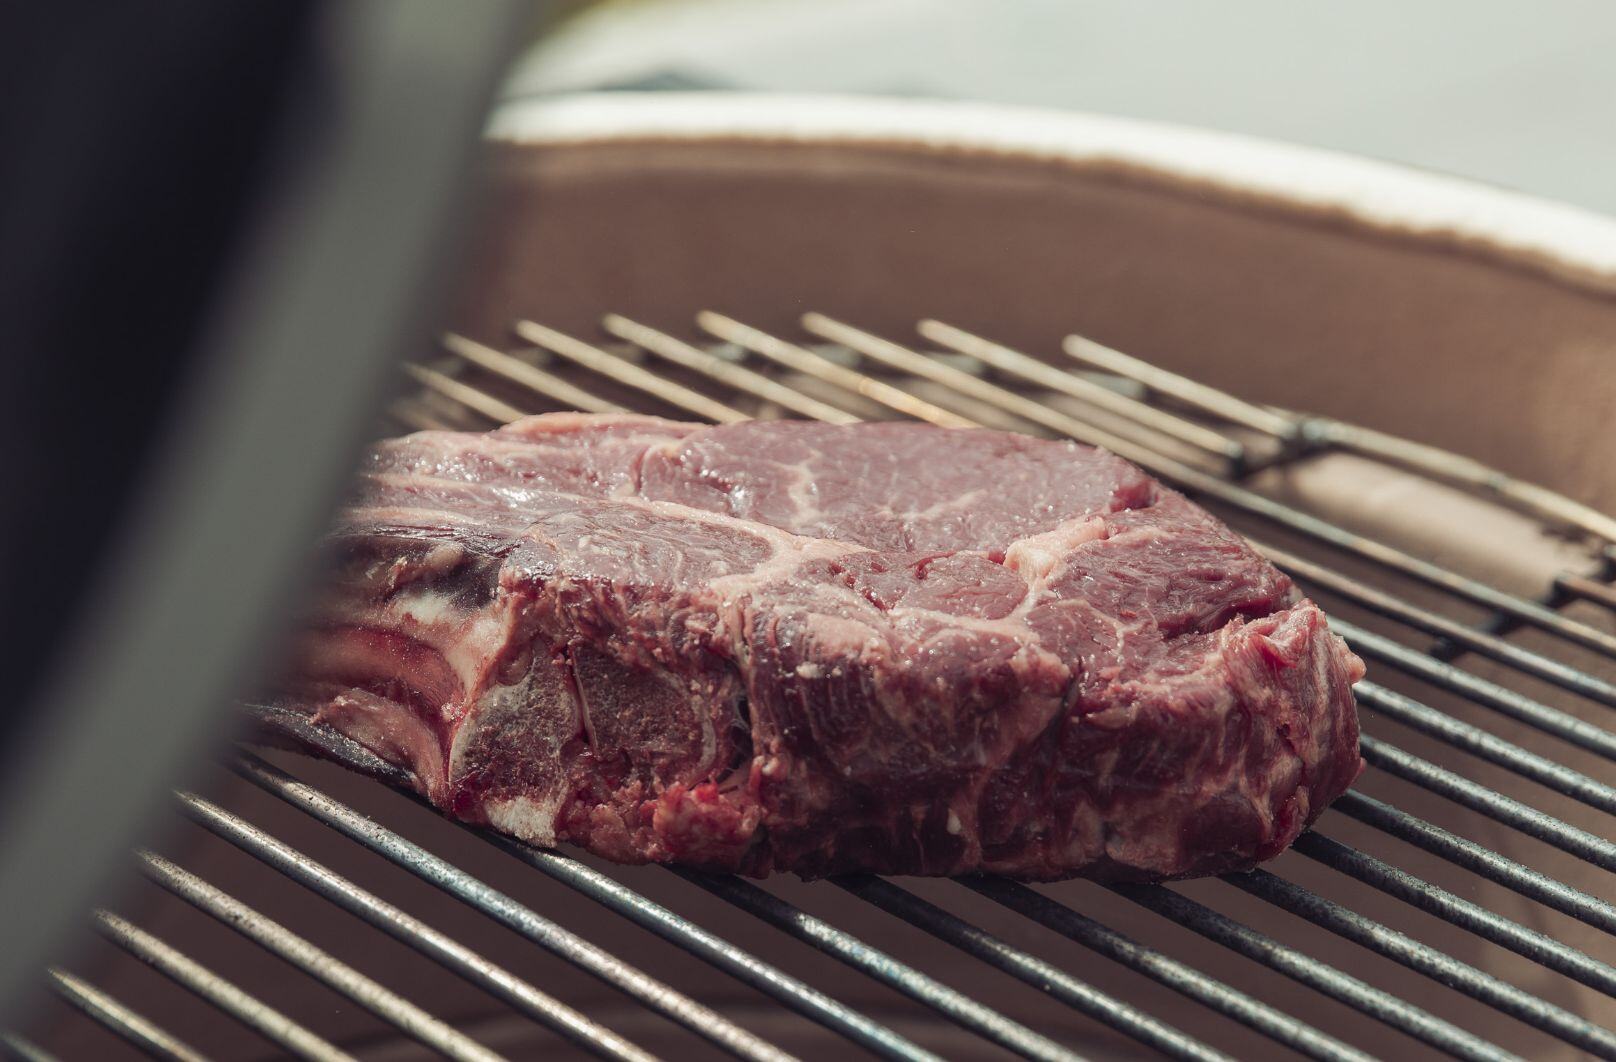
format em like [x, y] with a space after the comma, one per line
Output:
[1171, 296]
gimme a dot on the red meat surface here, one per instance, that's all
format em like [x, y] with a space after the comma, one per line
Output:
[813, 648]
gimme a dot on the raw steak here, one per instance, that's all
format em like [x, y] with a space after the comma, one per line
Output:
[793, 646]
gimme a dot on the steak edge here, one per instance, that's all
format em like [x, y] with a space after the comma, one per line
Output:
[789, 646]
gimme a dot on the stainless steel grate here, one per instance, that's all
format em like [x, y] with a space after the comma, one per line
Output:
[1199, 439]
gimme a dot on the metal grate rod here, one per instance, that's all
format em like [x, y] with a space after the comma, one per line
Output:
[1494, 805]
[810, 364]
[1259, 947]
[1489, 645]
[542, 859]
[599, 887]
[1444, 969]
[412, 931]
[1531, 612]
[449, 387]
[1538, 501]
[1587, 589]
[1181, 977]
[532, 377]
[232, 1000]
[488, 401]
[1327, 432]
[503, 909]
[624, 372]
[1478, 859]
[325, 967]
[1561, 724]
[901, 358]
[1190, 392]
[114, 1016]
[1083, 997]
[714, 950]
[414, 416]
[1014, 363]
[725, 372]
[956, 1006]
[15, 1047]
[1478, 742]
[1494, 928]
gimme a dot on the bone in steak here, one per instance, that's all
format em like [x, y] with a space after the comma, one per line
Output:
[795, 646]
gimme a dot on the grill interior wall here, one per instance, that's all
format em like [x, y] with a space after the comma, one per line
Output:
[1478, 351]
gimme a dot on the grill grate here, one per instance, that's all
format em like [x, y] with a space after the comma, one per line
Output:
[1197, 438]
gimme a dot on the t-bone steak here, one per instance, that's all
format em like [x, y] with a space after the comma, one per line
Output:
[795, 646]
